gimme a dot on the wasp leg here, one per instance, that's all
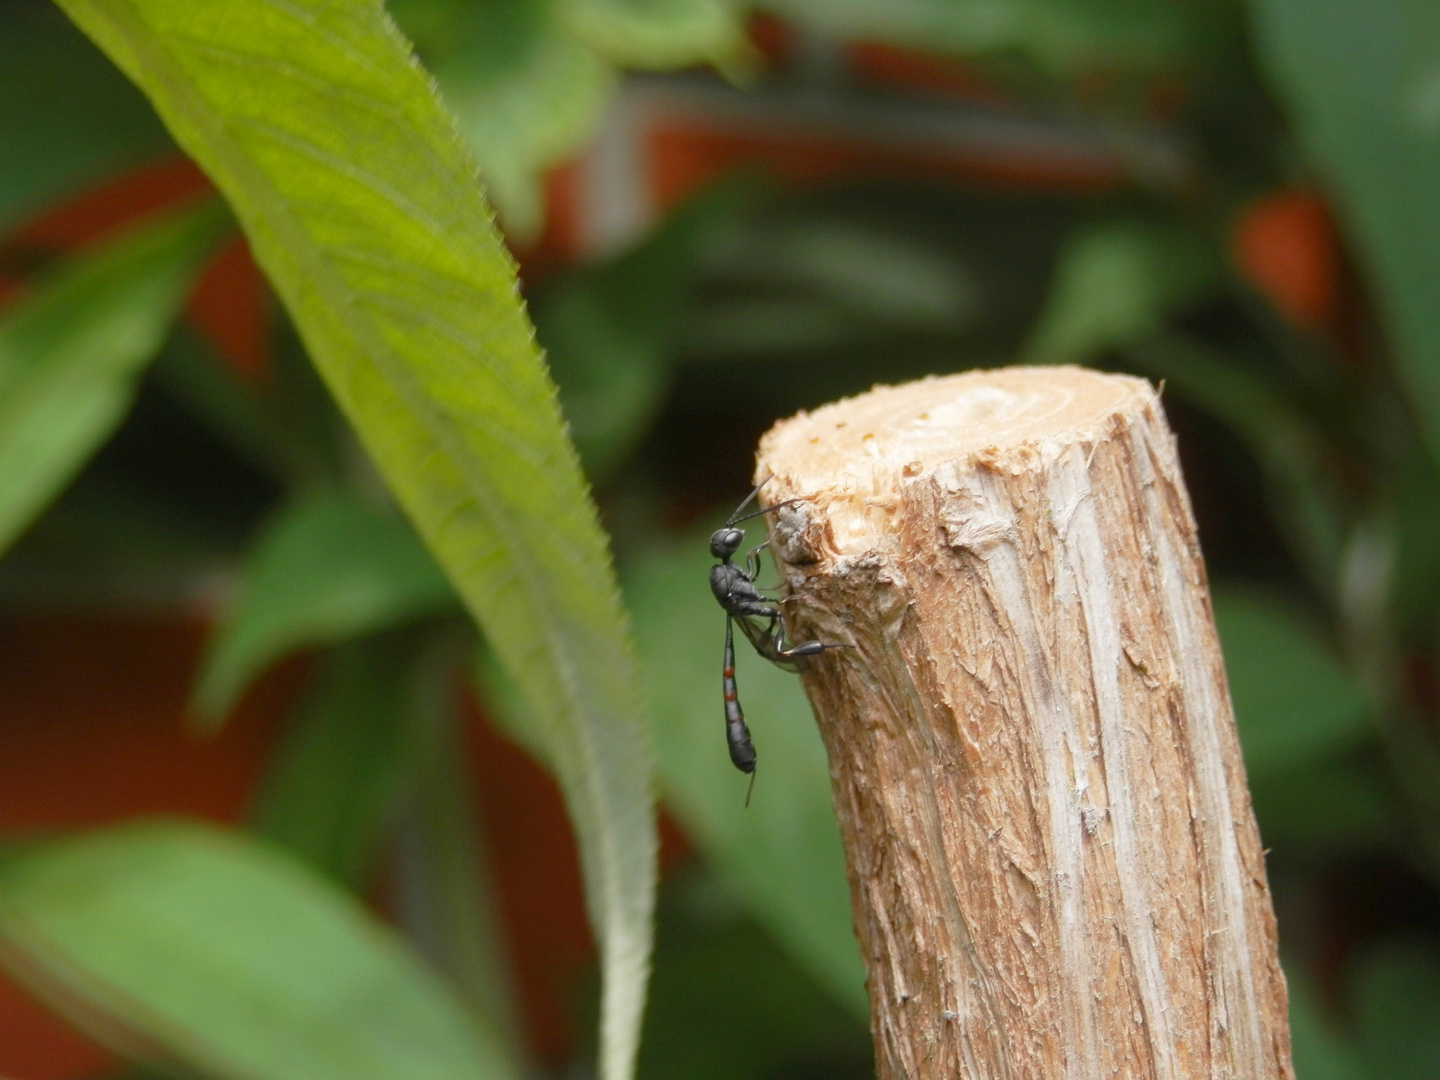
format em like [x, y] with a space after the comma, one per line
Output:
[778, 651]
[752, 567]
[752, 560]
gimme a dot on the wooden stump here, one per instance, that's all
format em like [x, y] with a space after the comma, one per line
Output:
[1054, 868]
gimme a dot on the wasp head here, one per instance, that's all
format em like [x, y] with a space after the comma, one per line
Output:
[725, 542]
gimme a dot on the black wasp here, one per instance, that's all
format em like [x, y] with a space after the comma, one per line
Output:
[759, 619]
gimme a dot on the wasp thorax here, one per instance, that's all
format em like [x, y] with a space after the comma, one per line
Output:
[725, 542]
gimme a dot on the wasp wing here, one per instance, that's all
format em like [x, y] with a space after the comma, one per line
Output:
[766, 637]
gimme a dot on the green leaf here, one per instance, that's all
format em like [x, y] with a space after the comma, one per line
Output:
[827, 281]
[376, 756]
[729, 1003]
[612, 376]
[67, 117]
[876, 274]
[1114, 284]
[1323, 807]
[661, 33]
[284, 425]
[1415, 541]
[327, 568]
[445, 897]
[1312, 505]
[182, 942]
[1065, 36]
[334, 785]
[72, 351]
[782, 855]
[359, 202]
[527, 95]
[1397, 1010]
[1362, 83]
[107, 543]
[1294, 700]
[1319, 1051]
[608, 329]
[215, 393]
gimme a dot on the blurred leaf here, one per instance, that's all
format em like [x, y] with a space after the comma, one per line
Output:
[1397, 1010]
[1062, 35]
[210, 388]
[728, 1004]
[67, 117]
[660, 33]
[527, 95]
[334, 785]
[1294, 700]
[359, 202]
[608, 329]
[376, 752]
[1362, 81]
[612, 376]
[444, 895]
[183, 942]
[742, 327]
[1415, 574]
[1311, 506]
[72, 351]
[327, 568]
[147, 1072]
[874, 273]
[915, 278]
[826, 282]
[1114, 284]
[1319, 1051]
[1320, 808]
[283, 421]
[782, 855]
[104, 545]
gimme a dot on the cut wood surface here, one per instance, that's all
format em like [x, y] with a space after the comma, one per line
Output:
[1054, 867]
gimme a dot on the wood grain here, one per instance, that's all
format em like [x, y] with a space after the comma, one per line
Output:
[1054, 867]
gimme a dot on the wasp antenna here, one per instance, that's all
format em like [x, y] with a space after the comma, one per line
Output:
[748, 499]
[750, 789]
[763, 510]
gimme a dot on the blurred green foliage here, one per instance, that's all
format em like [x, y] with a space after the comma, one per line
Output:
[68, 118]
[328, 568]
[72, 353]
[228, 958]
[424, 473]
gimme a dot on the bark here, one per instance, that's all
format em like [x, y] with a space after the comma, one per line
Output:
[1054, 868]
